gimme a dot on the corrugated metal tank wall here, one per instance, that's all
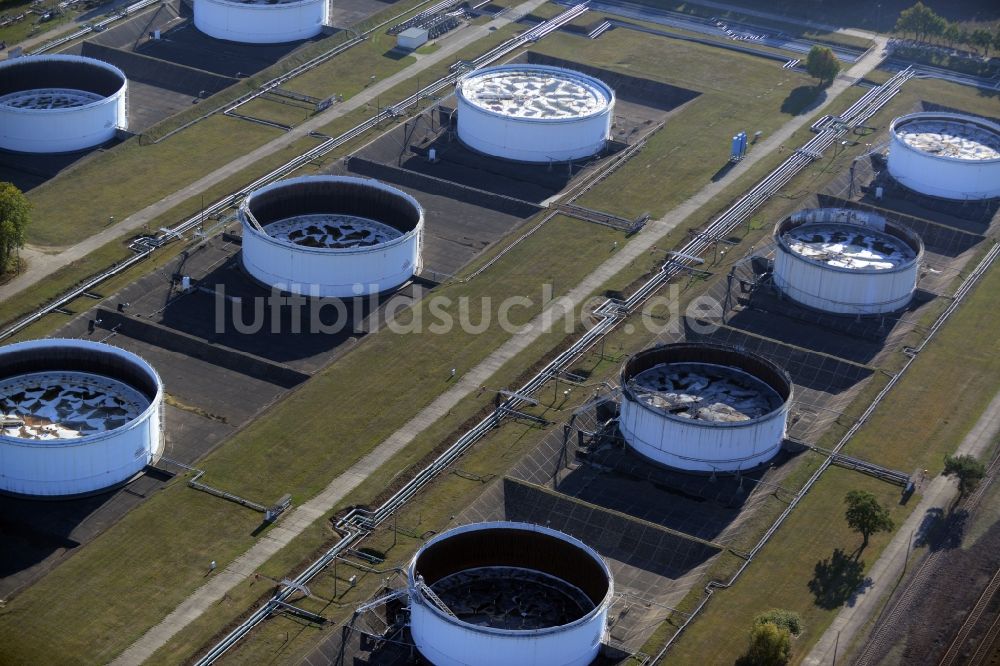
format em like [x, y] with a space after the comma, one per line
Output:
[85, 464]
[261, 23]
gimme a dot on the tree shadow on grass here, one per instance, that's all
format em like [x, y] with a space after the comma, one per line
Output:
[802, 99]
[837, 580]
[941, 531]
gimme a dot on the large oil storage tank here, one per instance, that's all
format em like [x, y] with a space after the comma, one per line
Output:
[947, 155]
[60, 103]
[846, 261]
[534, 113]
[503, 593]
[78, 416]
[331, 236]
[704, 407]
[261, 21]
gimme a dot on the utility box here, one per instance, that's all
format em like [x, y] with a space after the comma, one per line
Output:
[411, 38]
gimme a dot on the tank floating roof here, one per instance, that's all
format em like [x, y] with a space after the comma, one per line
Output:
[950, 136]
[706, 382]
[332, 231]
[66, 405]
[536, 92]
[843, 246]
[849, 240]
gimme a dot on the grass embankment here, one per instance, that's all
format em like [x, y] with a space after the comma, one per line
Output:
[63, 279]
[176, 532]
[925, 416]
[127, 178]
[287, 640]
[739, 92]
[178, 529]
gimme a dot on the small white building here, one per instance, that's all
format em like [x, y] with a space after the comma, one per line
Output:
[412, 38]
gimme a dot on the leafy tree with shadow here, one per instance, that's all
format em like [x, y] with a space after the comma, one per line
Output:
[822, 64]
[836, 579]
[15, 214]
[865, 515]
[968, 470]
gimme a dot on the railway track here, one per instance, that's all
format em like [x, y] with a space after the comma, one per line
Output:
[970, 622]
[988, 652]
[884, 630]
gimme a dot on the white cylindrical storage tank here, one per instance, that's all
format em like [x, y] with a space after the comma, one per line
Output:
[704, 407]
[534, 113]
[504, 593]
[261, 21]
[60, 103]
[846, 261]
[947, 155]
[331, 236]
[78, 417]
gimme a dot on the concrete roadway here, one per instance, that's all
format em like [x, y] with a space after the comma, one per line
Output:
[204, 598]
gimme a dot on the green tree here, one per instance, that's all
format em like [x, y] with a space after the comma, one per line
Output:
[921, 21]
[770, 645]
[822, 64]
[15, 214]
[936, 26]
[965, 37]
[953, 35]
[984, 40]
[967, 469]
[790, 620]
[865, 515]
[996, 40]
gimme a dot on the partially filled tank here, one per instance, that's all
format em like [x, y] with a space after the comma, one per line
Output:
[60, 103]
[946, 155]
[704, 407]
[77, 417]
[331, 236]
[846, 261]
[504, 593]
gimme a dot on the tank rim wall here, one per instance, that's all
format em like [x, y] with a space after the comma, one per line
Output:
[40, 60]
[598, 609]
[606, 109]
[134, 359]
[956, 118]
[779, 381]
[910, 238]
